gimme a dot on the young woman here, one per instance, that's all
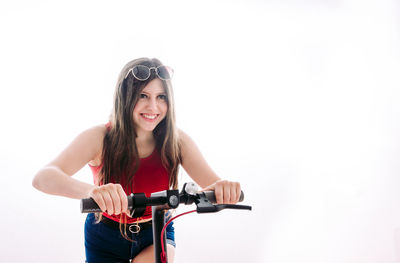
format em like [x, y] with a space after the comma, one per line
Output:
[138, 150]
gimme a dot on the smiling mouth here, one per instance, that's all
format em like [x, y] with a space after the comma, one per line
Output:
[149, 117]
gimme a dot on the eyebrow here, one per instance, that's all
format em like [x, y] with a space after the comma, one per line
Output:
[160, 93]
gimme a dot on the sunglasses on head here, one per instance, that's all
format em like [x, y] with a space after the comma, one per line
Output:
[142, 73]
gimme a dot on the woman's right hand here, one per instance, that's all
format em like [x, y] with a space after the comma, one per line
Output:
[111, 198]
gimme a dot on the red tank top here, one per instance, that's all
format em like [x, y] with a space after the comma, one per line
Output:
[150, 177]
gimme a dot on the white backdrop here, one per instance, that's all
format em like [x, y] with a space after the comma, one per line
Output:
[297, 100]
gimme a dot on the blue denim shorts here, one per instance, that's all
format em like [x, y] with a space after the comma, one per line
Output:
[106, 244]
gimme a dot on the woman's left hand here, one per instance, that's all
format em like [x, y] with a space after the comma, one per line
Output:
[226, 192]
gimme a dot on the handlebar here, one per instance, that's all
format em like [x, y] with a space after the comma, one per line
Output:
[204, 200]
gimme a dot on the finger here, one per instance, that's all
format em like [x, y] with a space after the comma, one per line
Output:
[123, 198]
[116, 200]
[227, 194]
[238, 192]
[232, 189]
[98, 198]
[219, 194]
[108, 201]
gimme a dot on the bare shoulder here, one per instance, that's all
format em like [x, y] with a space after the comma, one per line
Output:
[184, 139]
[188, 146]
[96, 132]
[94, 136]
[85, 148]
[182, 135]
[194, 163]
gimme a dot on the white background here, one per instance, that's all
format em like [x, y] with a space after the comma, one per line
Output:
[297, 100]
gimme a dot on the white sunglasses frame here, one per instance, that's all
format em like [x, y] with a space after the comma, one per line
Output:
[150, 68]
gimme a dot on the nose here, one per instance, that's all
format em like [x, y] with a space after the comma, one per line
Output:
[153, 104]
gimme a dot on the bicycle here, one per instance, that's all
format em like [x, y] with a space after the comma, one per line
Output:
[165, 200]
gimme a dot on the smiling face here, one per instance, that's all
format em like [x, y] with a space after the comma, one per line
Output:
[151, 107]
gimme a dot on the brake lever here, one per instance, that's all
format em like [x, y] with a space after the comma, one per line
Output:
[205, 206]
[216, 208]
[231, 206]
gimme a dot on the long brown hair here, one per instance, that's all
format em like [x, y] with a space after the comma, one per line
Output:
[120, 157]
[120, 154]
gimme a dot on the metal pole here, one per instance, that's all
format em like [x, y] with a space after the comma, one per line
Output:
[158, 213]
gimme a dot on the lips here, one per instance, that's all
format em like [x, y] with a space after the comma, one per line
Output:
[149, 117]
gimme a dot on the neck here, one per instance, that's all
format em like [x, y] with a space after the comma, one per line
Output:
[144, 138]
[145, 143]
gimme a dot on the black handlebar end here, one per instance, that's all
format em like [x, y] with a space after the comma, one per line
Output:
[88, 205]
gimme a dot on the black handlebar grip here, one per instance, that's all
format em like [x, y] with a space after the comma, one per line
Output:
[88, 205]
[210, 195]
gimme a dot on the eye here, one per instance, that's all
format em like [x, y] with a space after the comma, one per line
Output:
[162, 97]
[143, 96]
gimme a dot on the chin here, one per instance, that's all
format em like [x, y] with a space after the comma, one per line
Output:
[149, 129]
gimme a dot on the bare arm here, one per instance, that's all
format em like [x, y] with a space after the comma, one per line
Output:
[198, 169]
[56, 177]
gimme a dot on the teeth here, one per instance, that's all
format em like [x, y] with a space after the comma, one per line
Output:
[152, 117]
